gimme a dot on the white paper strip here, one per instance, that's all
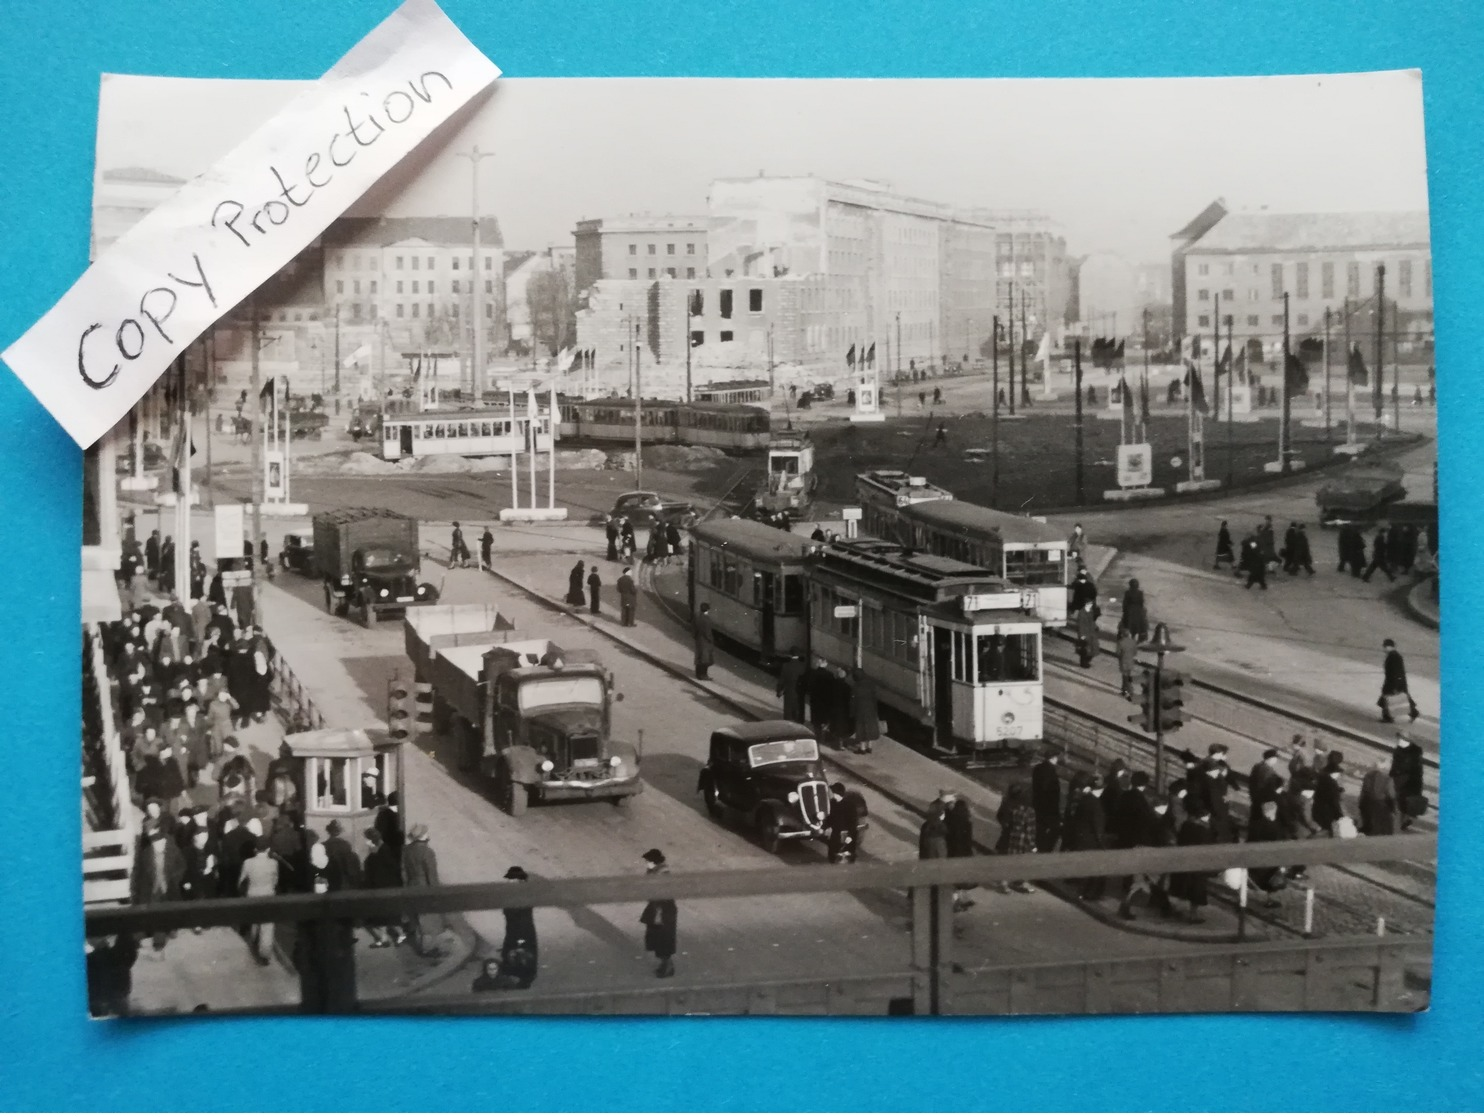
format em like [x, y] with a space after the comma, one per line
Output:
[185, 265]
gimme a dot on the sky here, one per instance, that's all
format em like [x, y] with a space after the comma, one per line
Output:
[1120, 163]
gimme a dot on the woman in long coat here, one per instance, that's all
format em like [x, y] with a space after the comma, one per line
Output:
[248, 677]
[660, 920]
[420, 869]
[1378, 801]
[867, 715]
[1135, 616]
[1329, 802]
[1086, 621]
[1128, 661]
[575, 594]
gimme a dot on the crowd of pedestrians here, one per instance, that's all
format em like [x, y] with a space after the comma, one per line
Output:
[1392, 549]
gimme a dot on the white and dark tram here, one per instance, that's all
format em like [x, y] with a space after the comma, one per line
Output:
[1024, 552]
[470, 433]
[953, 653]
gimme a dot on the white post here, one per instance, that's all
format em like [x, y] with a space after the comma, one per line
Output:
[551, 477]
[1380, 925]
[1308, 911]
[1242, 892]
[532, 420]
[514, 457]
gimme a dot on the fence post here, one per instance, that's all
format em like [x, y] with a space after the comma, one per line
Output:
[919, 901]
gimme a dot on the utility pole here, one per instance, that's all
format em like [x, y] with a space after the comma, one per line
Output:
[1283, 432]
[899, 363]
[1231, 379]
[1216, 357]
[257, 452]
[1396, 372]
[1010, 335]
[1144, 386]
[1077, 422]
[994, 414]
[1326, 374]
[476, 322]
[688, 345]
[638, 411]
[1376, 394]
[772, 387]
[1024, 337]
[337, 351]
[1349, 382]
[208, 357]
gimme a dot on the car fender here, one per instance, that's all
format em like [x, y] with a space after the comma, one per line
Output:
[523, 762]
[777, 807]
[704, 779]
[432, 597]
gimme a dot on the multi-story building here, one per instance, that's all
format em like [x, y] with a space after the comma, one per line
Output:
[1251, 259]
[642, 246]
[1033, 275]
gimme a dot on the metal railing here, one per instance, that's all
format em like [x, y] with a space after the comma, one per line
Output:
[108, 851]
[931, 983]
[293, 698]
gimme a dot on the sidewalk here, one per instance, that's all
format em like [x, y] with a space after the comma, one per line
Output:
[895, 771]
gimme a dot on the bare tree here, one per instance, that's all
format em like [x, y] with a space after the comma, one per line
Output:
[553, 311]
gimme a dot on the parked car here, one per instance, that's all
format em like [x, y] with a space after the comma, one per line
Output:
[154, 458]
[297, 554]
[646, 508]
[769, 774]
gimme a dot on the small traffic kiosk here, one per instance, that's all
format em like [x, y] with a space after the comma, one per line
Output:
[345, 775]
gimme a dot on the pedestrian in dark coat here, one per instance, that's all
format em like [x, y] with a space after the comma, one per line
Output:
[1267, 542]
[198, 878]
[1017, 831]
[486, 548]
[848, 813]
[1136, 825]
[821, 694]
[1394, 682]
[958, 826]
[519, 953]
[628, 597]
[705, 642]
[1265, 781]
[1264, 826]
[660, 919]
[672, 540]
[1086, 621]
[594, 589]
[382, 869]
[1086, 831]
[575, 595]
[1406, 776]
[866, 716]
[152, 555]
[1329, 796]
[1082, 591]
[1135, 617]
[1253, 563]
[1378, 801]
[458, 550]
[344, 869]
[932, 836]
[1046, 802]
[1192, 886]
[792, 680]
[389, 825]
[1301, 555]
[610, 529]
[1380, 557]
[420, 870]
[1290, 548]
[1224, 551]
[1128, 661]
[1217, 789]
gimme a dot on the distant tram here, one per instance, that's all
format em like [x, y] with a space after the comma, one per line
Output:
[470, 433]
[954, 656]
[1022, 551]
[727, 426]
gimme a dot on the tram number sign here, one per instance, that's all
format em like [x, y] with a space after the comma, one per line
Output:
[847, 612]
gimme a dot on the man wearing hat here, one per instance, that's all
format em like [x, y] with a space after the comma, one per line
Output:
[1406, 774]
[383, 869]
[1394, 682]
[791, 687]
[1264, 782]
[628, 597]
[420, 870]
[518, 953]
[159, 871]
[660, 919]
[344, 866]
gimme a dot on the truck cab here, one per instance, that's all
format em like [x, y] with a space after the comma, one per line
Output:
[548, 728]
[369, 560]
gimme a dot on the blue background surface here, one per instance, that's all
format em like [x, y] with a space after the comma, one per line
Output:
[51, 52]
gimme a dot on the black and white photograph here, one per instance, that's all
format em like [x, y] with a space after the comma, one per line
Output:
[782, 547]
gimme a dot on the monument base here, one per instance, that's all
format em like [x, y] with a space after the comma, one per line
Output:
[1294, 466]
[138, 484]
[283, 509]
[869, 417]
[1350, 449]
[1197, 486]
[1132, 494]
[171, 499]
[531, 515]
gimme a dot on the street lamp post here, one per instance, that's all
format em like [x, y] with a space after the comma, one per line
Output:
[1161, 646]
[475, 319]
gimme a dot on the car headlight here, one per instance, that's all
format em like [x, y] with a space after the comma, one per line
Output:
[616, 765]
[1007, 718]
[793, 796]
[381, 593]
[421, 591]
[547, 766]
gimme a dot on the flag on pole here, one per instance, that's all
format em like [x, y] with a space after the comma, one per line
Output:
[1043, 351]
[1117, 354]
[1144, 402]
[850, 355]
[1295, 375]
[266, 392]
[1198, 402]
[1359, 375]
[1224, 365]
[871, 355]
[180, 458]
[1128, 401]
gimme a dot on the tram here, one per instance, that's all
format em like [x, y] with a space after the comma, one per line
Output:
[753, 577]
[727, 426]
[470, 433]
[950, 648]
[791, 479]
[1022, 551]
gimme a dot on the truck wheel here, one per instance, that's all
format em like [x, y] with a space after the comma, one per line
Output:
[713, 804]
[368, 614]
[768, 831]
[513, 797]
[329, 600]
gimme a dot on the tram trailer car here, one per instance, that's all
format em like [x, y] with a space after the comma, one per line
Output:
[727, 426]
[753, 576]
[791, 479]
[954, 657]
[1024, 552]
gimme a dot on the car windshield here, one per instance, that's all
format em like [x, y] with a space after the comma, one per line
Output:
[382, 558]
[781, 752]
[563, 690]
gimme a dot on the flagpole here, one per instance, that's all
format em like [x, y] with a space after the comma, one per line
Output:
[1231, 379]
[1077, 413]
[183, 491]
[1190, 409]
[1326, 375]
[994, 414]
[551, 458]
[1144, 391]
[533, 414]
[1349, 381]
[258, 480]
[1216, 357]
[514, 456]
[1283, 432]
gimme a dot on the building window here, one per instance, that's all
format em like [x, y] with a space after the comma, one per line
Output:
[690, 273]
[1277, 276]
[399, 286]
[489, 286]
[486, 264]
[416, 262]
[399, 310]
[398, 263]
[755, 300]
[1229, 295]
[1303, 319]
[455, 286]
[454, 310]
[416, 287]
[669, 250]
[725, 301]
[651, 273]
[633, 250]
[697, 338]
[1327, 280]
[651, 249]
[355, 286]
[1352, 280]
[339, 260]
[726, 335]
[339, 286]
[430, 287]
[1203, 269]
[355, 262]
[1204, 319]
[1301, 281]
[373, 287]
[633, 273]
[690, 249]
[416, 309]
[1203, 295]
[670, 272]
[489, 310]
[455, 263]
[355, 311]
[431, 263]
[371, 312]
[1404, 279]
[1252, 320]
[430, 310]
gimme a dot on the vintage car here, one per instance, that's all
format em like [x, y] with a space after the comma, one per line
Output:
[297, 554]
[769, 774]
[647, 508]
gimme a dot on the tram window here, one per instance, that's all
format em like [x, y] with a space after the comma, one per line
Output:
[463, 430]
[1008, 659]
[793, 595]
[1033, 568]
[963, 657]
[329, 782]
[484, 430]
[438, 430]
[427, 430]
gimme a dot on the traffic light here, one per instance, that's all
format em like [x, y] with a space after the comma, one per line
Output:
[1148, 703]
[1171, 701]
[399, 708]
